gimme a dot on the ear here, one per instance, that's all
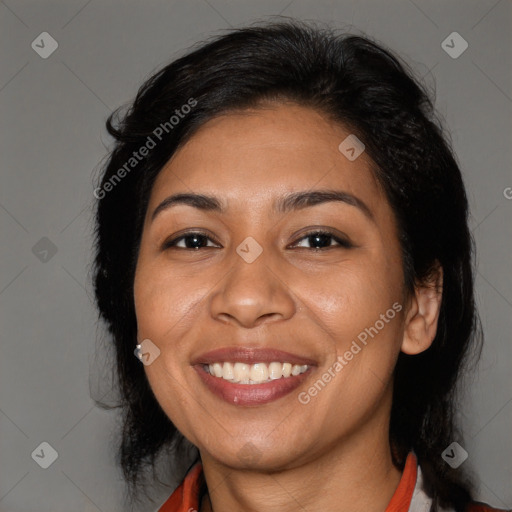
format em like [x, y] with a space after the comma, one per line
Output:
[423, 313]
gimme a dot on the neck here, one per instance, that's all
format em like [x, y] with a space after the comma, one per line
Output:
[356, 474]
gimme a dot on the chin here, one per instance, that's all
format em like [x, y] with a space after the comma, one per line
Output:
[256, 455]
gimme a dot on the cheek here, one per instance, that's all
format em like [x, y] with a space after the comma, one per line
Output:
[152, 305]
[161, 299]
[359, 310]
[360, 315]
[170, 311]
[162, 311]
[351, 297]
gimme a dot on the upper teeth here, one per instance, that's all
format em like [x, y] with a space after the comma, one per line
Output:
[254, 373]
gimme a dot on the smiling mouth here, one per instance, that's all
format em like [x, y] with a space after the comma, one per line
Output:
[258, 373]
[250, 376]
[249, 392]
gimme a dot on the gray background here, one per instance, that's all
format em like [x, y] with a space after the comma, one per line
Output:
[53, 140]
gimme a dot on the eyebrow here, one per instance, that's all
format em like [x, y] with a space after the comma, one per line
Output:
[285, 204]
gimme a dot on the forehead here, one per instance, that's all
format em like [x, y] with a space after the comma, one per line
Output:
[249, 157]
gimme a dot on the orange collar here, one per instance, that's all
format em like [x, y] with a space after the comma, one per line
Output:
[402, 497]
[186, 496]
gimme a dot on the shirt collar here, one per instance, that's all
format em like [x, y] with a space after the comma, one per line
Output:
[409, 496]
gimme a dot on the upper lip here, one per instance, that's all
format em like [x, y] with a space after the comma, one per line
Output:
[250, 355]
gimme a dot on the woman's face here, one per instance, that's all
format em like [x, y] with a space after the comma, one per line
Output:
[254, 279]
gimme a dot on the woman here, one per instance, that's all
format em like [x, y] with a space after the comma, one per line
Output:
[282, 237]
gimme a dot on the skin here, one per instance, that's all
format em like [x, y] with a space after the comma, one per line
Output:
[332, 453]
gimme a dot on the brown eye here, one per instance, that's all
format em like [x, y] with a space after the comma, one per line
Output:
[324, 239]
[192, 241]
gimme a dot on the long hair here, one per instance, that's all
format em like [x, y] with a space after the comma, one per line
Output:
[365, 87]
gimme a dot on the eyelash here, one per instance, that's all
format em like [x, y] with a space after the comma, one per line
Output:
[322, 232]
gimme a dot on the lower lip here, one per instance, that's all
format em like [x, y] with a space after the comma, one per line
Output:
[251, 394]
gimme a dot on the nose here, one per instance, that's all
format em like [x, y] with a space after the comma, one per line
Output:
[252, 294]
